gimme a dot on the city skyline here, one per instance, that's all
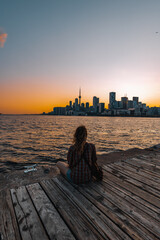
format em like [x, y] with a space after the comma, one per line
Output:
[123, 107]
[50, 48]
[80, 100]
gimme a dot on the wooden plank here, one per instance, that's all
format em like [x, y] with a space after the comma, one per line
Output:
[144, 164]
[138, 171]
[148, 163]
[28, 220]
[135, 213]
[140, 204]
[137, 183]
[98, 218]
[150, 159]
[142, 169]
[75, 220]
[132, 198]
[136, 176]
[8, 225]
[119, 217]
[133, 189]
[53, 223]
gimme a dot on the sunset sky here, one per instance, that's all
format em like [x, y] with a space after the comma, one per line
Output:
[50, 48]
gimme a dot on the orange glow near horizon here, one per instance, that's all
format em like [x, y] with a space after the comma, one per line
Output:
[35, 102]
[24, 97]
[37, 108]
[35, 96]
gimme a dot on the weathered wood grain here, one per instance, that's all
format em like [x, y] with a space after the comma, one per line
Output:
[133, 189]
[142, 169]
[150, 159]
[148, 162]
[28, 220]
[130, 180]
[8, 225]
[137, 171]
[138, 202]
[98, 218]
[153, 167]
[75, 220]
[142, 218]
[135, 176]
[135, 201]
[53, 223]
[119, 217]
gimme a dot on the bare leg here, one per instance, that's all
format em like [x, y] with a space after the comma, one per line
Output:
[63, 167]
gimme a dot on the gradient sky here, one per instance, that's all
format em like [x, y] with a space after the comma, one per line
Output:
[52, 47]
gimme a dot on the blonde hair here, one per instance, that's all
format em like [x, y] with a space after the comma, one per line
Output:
[80, 137]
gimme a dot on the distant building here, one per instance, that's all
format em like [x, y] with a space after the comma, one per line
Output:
[101, 107]
[124, 101]
[153, 111]
[130, 104]
[115, 104]
[121, 112]
[76, 104]
[144, 105]
[112, 100]
[118, 104]
[82, 105]
[137, 111]
[91, 109]
[135, 101]
[135, 104]
[70, 104]
[95, 103]
[140, 104]
[87, 106]
[59, 111]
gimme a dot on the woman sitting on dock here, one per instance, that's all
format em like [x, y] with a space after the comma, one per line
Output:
[81, 156]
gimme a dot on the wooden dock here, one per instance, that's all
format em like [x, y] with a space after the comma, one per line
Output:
[126, 205]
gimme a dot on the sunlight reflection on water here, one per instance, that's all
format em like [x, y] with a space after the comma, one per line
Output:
[39, 139]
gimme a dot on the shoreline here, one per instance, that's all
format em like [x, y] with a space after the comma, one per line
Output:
[18, 178]
[41, 114]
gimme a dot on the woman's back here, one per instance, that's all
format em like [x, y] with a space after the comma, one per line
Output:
[79, 162]
[81, 156]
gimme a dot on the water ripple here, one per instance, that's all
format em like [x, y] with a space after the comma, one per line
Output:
[27, 139]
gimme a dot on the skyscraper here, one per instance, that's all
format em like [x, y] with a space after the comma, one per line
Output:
[112, 100]
[76, 104]
[101, 107]
[124, 101]
[95, 103]
[70, 104]
[87, 106]
[136, 99]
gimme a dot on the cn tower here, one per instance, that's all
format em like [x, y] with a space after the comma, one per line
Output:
[80, 97]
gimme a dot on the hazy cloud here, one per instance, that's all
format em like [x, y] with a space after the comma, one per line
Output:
[3, 37]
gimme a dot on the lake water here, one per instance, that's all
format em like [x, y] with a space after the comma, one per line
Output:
[44, 139]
